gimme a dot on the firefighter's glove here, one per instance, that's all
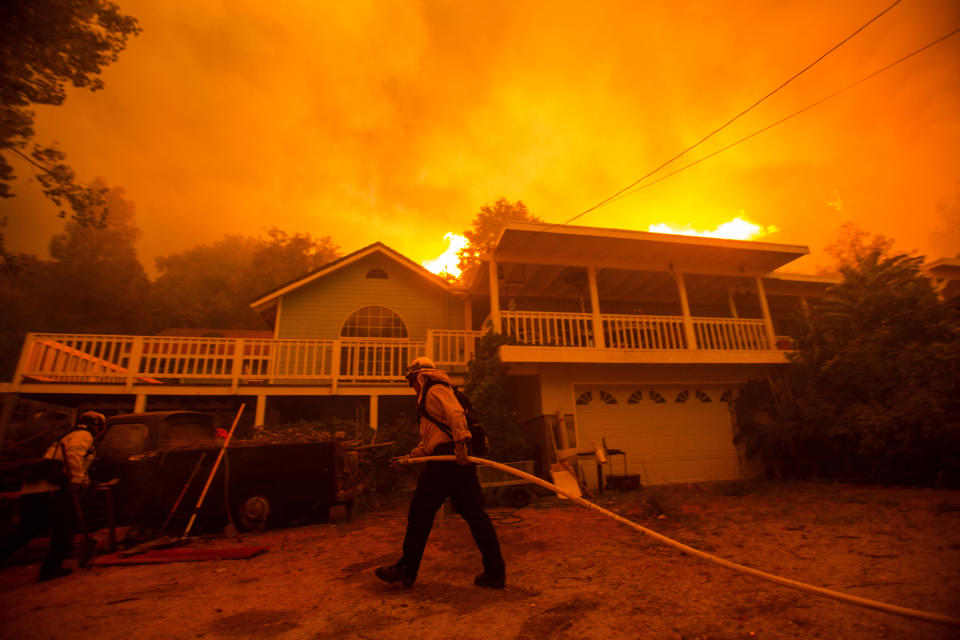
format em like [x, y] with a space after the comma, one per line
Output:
[399, 462]
[460, 450]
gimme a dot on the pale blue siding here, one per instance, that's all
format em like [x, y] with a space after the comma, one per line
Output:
[318, 309]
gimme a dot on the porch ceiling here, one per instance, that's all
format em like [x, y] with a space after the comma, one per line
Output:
[537, 243]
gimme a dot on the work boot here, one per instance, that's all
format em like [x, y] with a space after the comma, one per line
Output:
[395, 573]
[490, 580]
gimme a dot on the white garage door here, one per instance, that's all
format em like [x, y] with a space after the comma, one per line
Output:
[669, 433]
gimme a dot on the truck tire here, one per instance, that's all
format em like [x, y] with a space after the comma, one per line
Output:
[518, 497]
[255, 511]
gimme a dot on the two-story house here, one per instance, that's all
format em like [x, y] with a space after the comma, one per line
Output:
[633, 339]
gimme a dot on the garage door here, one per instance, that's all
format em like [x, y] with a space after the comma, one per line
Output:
[669, 433]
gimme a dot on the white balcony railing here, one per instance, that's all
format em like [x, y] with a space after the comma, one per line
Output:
[650, 333]
[110, 359]
[643, 333]
[549, 328]
[731, 334]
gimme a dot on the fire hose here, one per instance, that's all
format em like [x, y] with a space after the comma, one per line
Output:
[793, 584]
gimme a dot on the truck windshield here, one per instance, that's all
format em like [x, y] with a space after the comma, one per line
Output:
[125, 439]
[193, 430]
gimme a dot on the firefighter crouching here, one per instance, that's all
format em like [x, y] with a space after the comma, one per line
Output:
[47, 496]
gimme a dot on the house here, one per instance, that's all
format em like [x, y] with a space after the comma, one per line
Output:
[635, 340]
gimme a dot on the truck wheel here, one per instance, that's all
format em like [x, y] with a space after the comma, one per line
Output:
[518, 497]
[254, 511]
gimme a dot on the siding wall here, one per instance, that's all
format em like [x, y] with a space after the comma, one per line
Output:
[318, 310]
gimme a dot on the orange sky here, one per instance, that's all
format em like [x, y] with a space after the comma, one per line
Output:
[396, 120]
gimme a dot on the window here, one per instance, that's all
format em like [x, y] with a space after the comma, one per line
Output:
[374, 322]
[635, 397]
[193, 430]
[125, 439]
[377, 274]
[726, 396]
[657, 398]
[682, 396]
[702, 396]
[607, 398]
[585, 397]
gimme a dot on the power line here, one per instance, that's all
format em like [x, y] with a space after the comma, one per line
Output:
[736, 117]
[621, 194]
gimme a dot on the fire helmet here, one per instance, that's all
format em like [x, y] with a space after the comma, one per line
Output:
[418, 365]
[92, 420]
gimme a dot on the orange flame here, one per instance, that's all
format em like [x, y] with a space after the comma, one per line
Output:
[446, 263]
[736, 229]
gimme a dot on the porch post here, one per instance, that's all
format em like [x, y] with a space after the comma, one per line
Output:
[467, 315]
[261, 412]
[767, 319]
[685, 309]
[733, 304]
[140, 403]
[494, 297]
[335, 356]
[134, 366]
[374, 412]
[236, 367]
[598, 340]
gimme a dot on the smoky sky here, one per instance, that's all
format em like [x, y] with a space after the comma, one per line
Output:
[396, 120]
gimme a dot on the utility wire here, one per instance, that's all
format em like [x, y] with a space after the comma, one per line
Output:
[621, 194]
[736, 117]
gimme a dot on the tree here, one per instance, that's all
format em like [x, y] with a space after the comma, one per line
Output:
[487, 389]
[211, 286]
[486, 226]
[46, 45]
[873, 391]
[95, 282]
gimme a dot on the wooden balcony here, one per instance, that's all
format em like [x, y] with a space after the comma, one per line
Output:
[570, 337]
[148, 361]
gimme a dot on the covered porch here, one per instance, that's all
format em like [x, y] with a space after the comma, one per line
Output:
[598, 295]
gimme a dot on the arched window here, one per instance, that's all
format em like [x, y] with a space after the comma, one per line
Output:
[635, 397]
[682, 396]
[702, 396]
[726, 396]
[657, 397]
[607, 398]
[585, 397]
[374, 322]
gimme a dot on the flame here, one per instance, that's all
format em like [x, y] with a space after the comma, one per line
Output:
[446, 263]
[736, 229]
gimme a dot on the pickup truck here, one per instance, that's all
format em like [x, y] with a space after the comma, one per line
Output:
[264, 484]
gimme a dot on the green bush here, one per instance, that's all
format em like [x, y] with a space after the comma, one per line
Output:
[873, 392]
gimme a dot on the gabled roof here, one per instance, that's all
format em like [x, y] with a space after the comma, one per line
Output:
[270, 298]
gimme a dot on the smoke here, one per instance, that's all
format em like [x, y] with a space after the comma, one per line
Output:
[396, 120]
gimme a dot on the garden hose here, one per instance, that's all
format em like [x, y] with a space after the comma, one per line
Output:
[793, 584]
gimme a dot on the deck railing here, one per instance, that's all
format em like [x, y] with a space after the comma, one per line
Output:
[549, 328]
[650, 333]
[638, 332]
[731, 334]
[108, 359]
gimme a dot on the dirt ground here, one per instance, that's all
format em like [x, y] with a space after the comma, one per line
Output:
[572, 573]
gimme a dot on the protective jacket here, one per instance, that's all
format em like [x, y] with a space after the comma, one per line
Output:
[443, 405]
[78, 445]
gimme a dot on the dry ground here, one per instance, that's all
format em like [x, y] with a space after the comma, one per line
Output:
[572, 574]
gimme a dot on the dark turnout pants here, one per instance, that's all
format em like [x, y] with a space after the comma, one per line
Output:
[438, 481]
[39, 512]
